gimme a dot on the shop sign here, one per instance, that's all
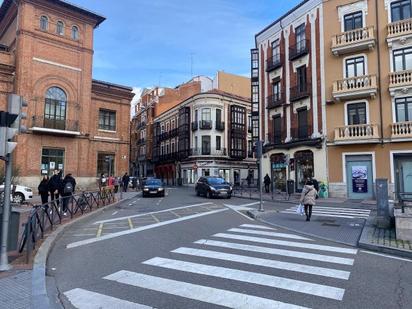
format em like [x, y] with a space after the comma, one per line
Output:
[359, 179]
[277, 166]
[52, 165]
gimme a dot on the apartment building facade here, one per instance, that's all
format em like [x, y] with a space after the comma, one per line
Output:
[287, 83]
[206, 135]
[368, 62]
[76, 124]
[152, 103]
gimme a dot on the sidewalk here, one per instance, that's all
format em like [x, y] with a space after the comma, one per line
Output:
[294, 198]
[16, 284]
[383, 240]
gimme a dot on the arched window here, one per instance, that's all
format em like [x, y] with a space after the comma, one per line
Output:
[60, 28]
[75, 33]
[44, 23]
[55, 109]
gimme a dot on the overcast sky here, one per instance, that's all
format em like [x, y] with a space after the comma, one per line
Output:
[146, 42]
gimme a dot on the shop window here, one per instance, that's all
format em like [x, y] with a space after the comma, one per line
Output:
[52, 159]
[304, 168]
[105, 164]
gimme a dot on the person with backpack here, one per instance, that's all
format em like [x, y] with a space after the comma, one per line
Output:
[44, 190]
[67, 190]
[308, 198]
[55, 184]
[266, 181]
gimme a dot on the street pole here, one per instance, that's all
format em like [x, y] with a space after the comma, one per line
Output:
[4, 263]
[259, 159]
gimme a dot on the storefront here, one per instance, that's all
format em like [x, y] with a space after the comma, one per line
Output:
[304, 168]
[278, 172]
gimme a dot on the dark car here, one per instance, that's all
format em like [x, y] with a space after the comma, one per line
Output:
[213, 187]
[153, 186]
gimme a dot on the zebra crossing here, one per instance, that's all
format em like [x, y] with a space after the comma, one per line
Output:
[257, 255]
[336, 212]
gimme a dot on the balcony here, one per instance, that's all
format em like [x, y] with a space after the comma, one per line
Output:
[400, 80]
[205, 124]
[299, 92]
[64, 127]
[399, 30]
[220, 126]
[274, 139]
[208, 152]
[355, 87]
[299, 50]
[140, 141]
[301, 133]
[357, 134]
[401, 130]
[274, 63]
[163, 136]
[174, 156]
[173, 132]
[195, 125]
[274, 100]
[352, 41]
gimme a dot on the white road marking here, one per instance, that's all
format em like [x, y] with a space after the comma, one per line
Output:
[83, 299]
[387, 256]
[249, 204]
[139, 229]
[273, 251]
[198, 292]
[153, 212]
[342, 209]
[265, 233]
[287, 243]
[114, 213]
[134, 202]
[255, 226]
[238, 212]
[249, 277]
[326, 215]
[313, 270]
[341, 212]
[82, 235]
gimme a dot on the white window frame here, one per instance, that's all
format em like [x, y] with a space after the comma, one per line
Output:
[365, 57]
[354, 102]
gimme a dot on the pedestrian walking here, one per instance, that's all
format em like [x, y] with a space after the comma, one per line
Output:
[67, 189]
[249, 180]
[308, 198]
[110, 182]
[116, 184]
[125, 181]
[55, 184]
[102, 181]
[43, 189]
[266, 181]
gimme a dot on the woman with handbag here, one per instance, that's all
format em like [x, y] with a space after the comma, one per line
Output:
[308, 198]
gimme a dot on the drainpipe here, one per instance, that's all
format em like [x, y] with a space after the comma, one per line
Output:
[379, 70]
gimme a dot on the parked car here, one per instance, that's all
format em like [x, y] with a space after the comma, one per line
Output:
[21, 193]
[153, 186]
[213, 187]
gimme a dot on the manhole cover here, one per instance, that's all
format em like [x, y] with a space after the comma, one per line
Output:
[330, 224]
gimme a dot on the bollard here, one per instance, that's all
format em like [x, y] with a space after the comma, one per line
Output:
[382, 203]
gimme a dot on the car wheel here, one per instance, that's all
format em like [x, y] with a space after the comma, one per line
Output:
[18, 198]
[229, 196]
[162, 194]
[209, 194]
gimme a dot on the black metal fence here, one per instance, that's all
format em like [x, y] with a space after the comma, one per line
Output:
[44, 218]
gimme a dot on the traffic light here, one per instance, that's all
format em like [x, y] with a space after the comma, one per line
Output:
[14, 107]
[11, 123]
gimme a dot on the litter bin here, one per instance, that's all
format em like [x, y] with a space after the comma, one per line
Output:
[13, 229]
[291, 186]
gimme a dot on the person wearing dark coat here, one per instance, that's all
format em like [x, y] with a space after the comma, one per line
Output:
[55, 184]
[44, 190]
[266, 181]
[125, 180]
[66, 190]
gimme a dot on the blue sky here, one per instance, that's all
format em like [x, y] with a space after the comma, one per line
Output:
[146, 42]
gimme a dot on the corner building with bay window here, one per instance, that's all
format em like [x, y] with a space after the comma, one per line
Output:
[75, 123]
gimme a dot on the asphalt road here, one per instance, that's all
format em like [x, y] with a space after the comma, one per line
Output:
[184, 251]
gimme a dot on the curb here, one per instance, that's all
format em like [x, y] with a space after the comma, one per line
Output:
[365, 244]
[256, 217]
[39, 298]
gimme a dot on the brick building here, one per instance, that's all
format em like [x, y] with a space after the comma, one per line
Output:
[75, 123]
[287, 98]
